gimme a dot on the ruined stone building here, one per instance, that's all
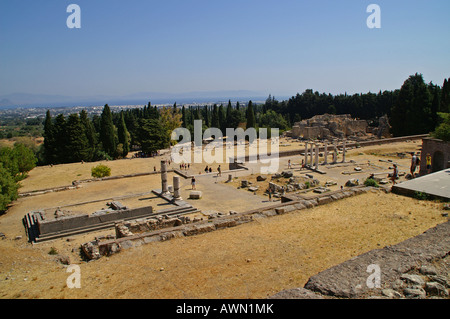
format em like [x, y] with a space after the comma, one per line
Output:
[328, 126]
[439, 151]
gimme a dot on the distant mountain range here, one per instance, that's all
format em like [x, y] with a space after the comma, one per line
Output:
[18, 100]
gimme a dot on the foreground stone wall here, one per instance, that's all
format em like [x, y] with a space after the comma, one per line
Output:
[406, 270]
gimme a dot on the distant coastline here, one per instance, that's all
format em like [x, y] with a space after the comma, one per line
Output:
[21, 100]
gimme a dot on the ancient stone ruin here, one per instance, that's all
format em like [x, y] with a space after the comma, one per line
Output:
[329, 126]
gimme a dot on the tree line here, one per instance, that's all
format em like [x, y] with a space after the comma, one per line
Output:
[412, 109]
[15, 163]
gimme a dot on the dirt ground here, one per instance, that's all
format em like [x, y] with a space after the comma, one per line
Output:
[254, 260]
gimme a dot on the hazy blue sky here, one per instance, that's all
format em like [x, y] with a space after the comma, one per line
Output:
[280, 47]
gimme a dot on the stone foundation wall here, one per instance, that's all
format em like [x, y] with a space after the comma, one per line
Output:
[63, 224]
[127, 239]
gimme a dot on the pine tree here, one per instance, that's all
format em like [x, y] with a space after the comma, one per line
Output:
[152, 135]
[412, 113]
[77, 142]
[107, 132]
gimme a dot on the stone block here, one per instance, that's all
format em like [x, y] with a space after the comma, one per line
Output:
[269, 213]
[224, 223]
[299, 206]
[195, 195]
[285, 209]
[198, 229]
[324, 200]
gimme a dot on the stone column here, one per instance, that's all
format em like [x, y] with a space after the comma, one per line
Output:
[343, 151]
[334, 153]
[311, 150]
[176, 188]
[325, 154]
[164, 188]
[317, 156]
[306, 153]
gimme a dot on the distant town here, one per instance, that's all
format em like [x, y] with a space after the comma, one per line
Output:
[39, 112]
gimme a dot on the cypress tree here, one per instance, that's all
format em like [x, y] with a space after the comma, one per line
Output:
[49, 140]
[107, 132]
[251, 121]
[183, 116]
[205, 115]
[123, 136]
[229, 109]
[90, 134]
[61, 151]
[222, 119]
[215, 117]
[445, 97]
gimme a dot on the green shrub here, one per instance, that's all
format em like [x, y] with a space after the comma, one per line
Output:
[420, 196]
[100, 171]
[53, 251]
[371, 182]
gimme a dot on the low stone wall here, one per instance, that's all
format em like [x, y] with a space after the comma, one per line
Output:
[65, 224]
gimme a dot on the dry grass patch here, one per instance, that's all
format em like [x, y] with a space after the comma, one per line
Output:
[254, 260]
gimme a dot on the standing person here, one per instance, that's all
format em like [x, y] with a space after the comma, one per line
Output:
[219, 170]
[428, 163]
[394, 174]
[193, 182]
[413, 164]
[270, 194]
[289, 164]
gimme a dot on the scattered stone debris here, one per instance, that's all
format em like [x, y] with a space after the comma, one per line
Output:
[63, 259]
[352, 182]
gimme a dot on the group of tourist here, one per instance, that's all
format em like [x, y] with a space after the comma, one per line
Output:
[415, 162]
[208, 169]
